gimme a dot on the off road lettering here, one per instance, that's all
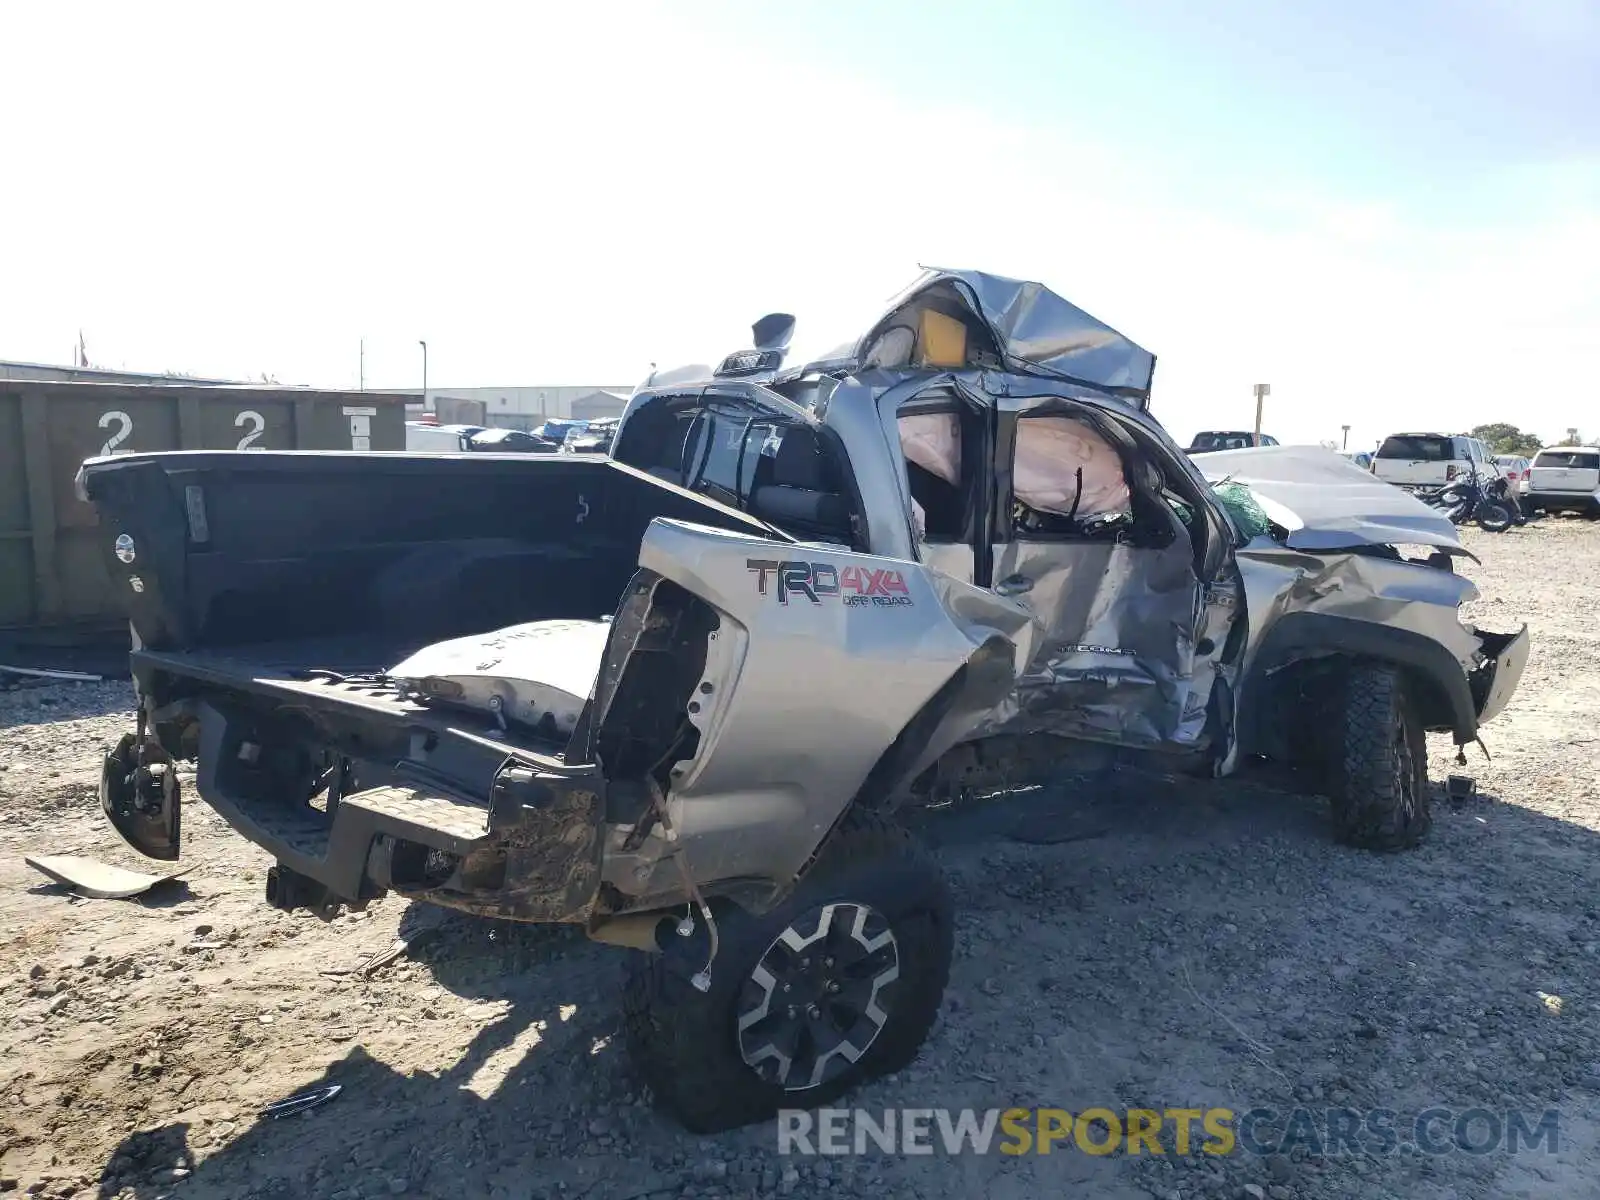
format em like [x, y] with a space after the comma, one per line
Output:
[855, 586]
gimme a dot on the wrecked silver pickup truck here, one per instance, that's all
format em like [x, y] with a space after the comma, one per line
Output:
[675, 696]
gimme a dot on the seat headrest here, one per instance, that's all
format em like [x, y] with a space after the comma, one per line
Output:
[800, 463]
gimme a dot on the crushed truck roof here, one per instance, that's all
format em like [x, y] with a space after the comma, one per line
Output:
[1035, 333]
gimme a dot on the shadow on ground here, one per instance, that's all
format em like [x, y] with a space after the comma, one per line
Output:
[404, 1134]
[562, 1119]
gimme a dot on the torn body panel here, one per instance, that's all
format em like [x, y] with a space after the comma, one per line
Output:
[356, 790]
[814, 648]
[538, 675]
[1110, 652]
[1324, 502]
[1107, 630]
[1309, 607]
[1361, 587]
[1032, 331]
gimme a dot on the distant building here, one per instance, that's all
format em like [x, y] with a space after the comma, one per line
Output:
[46, 373]
[528, 407]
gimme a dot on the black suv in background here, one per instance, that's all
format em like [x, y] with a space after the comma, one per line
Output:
[1227, 439]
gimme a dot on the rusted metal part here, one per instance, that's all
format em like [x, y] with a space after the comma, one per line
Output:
[541, 861]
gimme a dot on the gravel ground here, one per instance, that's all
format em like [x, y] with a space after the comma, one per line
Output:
[1191, 944]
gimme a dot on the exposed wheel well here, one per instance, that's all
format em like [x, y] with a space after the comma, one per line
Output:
[1299, 699]
[1291, 667]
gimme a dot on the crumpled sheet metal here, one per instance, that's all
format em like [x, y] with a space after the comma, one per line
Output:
[1372, 590]
[540, 673]
[1326, 502]
[981, 616]
[1110, 650]
[1038, 332]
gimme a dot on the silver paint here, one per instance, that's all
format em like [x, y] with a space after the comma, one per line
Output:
[1037, 331]
[851, 678]
[1100, 641]
[538, 673]
[1326, 502]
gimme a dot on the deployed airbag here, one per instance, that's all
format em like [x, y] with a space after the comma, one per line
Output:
[537, 675]
[1050, 451]
[933, 442]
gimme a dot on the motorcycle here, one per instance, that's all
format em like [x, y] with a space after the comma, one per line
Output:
[1491, 505]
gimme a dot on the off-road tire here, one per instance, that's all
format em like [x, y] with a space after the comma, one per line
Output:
[684, 1043]
[1380, 787]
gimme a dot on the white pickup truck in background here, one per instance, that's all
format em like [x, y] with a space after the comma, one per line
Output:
[1426, 461]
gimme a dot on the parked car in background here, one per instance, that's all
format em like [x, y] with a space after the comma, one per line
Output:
[559, 429]
[1429, 461]
[596, 439]
[1565, 479]
[511, 441]
[1227, 439]
[439, 439]
[1361, 458]
[1515, 468]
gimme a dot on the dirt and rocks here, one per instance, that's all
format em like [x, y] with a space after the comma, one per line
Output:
[1155, 945]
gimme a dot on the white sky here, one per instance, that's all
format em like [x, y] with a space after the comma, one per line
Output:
[563, 194]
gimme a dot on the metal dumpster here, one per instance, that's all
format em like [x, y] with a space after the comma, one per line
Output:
[52, 576]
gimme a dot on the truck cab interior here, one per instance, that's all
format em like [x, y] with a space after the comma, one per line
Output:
[785, 471]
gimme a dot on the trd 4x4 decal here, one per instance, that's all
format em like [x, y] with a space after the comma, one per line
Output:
[854, 586]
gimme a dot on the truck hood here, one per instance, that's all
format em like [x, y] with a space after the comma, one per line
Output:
[1326, 502]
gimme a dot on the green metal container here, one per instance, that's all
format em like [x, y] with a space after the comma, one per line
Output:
[52, 573]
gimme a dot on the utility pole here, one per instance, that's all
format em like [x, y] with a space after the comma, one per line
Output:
[363, 370]
[1262, 392]
[424, 346]
[1345, 444]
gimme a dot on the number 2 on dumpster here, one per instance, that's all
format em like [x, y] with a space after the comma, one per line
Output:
[124, 425]
[257, 422]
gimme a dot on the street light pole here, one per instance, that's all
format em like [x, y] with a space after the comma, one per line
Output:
[424, 346]
[1345, 445]
[1262, 392]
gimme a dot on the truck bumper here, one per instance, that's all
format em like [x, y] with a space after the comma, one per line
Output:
[431, 811]
[1495, 682]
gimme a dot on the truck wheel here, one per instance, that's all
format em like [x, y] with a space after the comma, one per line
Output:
[1380, 790]
[838, 985]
